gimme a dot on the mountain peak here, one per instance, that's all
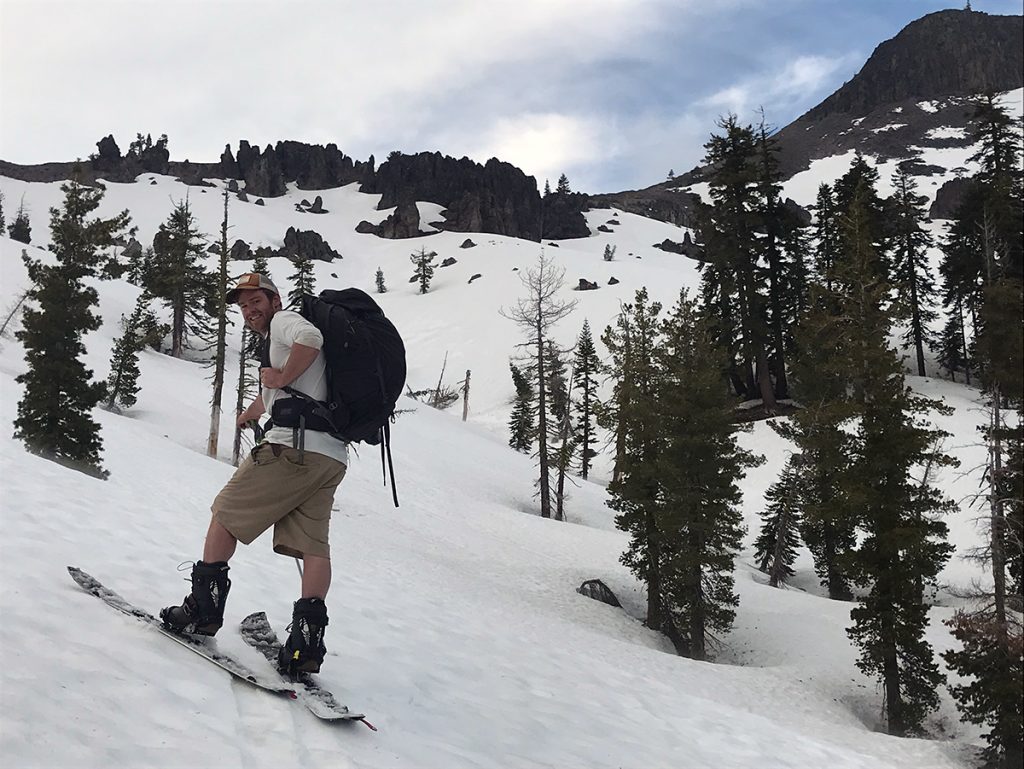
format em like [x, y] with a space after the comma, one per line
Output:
[947, 53]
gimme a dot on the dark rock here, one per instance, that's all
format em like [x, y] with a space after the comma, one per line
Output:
[799, 214]
[586, 285]
[318, 206]
[495, 197]
[947, 53]
[467, 243]
[477, 275]
[242, 196]
[404, 222]
[613, 221]
[915, 167]
[233, 185]
[670, 245]
[596, 589]
[109, 157]
[602, 228]
[555, 245]
[563, 216]
[263, 174]
[132, 250]
[613, 281]
[449, 261]
[309, 244]
[228, 166]
[240, 250]
[152, 182]
[658, 202]
[265, 252]
[304, 203]
[259, 202]
[686, 248]
[948, 198]
[213, 248]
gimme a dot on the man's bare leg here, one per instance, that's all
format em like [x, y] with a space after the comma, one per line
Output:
[316, 576]
[220, 543]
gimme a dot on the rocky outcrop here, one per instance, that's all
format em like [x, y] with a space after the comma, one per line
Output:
[309, 244]
[948, 198]
[586, 285]
[948, 53]
[662, 201]
[596, 589]
[403, 222]
[308, 166]
[495, 197]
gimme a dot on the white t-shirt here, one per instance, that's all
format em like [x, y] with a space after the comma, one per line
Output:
[288, 328]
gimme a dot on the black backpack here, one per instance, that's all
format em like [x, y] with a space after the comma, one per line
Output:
[366, 372]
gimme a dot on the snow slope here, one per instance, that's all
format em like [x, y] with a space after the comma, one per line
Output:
[455, 621]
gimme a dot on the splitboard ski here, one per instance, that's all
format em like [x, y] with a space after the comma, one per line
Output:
[203, 649]
[258, 633]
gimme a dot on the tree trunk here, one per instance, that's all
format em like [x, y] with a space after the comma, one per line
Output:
[542, 427]
[698, 643]
[236, 448]
[222, 329]
[465, 398]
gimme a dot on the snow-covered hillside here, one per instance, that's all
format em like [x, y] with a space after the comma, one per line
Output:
[455, 622]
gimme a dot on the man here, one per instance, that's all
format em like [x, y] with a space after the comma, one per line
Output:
[288, 482]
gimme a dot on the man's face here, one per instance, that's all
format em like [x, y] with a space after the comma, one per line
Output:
[257, 309]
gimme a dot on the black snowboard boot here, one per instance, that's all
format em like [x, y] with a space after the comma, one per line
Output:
[304, 650]
[202, 611]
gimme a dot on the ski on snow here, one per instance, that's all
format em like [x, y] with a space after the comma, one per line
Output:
[257, 632]
[320, 701]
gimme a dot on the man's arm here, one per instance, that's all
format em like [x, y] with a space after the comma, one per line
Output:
[300, 358]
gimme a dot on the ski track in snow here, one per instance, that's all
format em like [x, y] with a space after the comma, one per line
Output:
[455, 625]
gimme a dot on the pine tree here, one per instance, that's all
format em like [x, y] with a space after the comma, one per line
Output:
[561, 438]
[635, 492]
[123, 380]
[861, 181]
[732, 246]
[547, 188]
[613, 414]
[303, 281]
[53, 414]
[562, 188]
[698, 467]
[609, 252]
[826, 252]
[911, 273]
[177, 277]
[777, 542]
[3, 225]
[903, 547]
[586, 366]
[381, 288]
[20, 228]
[535, 314]
[424, 272]
[521, 423]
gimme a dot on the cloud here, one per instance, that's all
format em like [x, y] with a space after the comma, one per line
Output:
[781, 89]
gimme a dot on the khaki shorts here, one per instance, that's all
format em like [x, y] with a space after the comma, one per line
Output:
[270, 488]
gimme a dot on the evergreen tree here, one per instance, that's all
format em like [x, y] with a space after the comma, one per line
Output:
[826, 232]
[609, 252]
[303, 281]
[911, 273]
[521, 423]
[776, 545]
[903, 547]
[952, 345]
[53, 414]
[732, 246]
[178, 278]
[3, 225]
[698, 466]
[586, 367]
[20, 229]
[861, 181]
[561, 438]
[381, 288]
[612, 415]
[773, 222]
[562, 188]
[635, 493]
[547, 188]
[424, 264]
[123, 380]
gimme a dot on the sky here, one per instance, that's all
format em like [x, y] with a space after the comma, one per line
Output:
[613, 93]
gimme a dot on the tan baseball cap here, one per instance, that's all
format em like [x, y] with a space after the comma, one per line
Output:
[250, 281]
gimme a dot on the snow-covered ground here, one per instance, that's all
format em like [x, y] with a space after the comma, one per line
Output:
[455, 624]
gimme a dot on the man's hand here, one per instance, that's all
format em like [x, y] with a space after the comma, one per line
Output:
[273, 378]
[253, 411]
